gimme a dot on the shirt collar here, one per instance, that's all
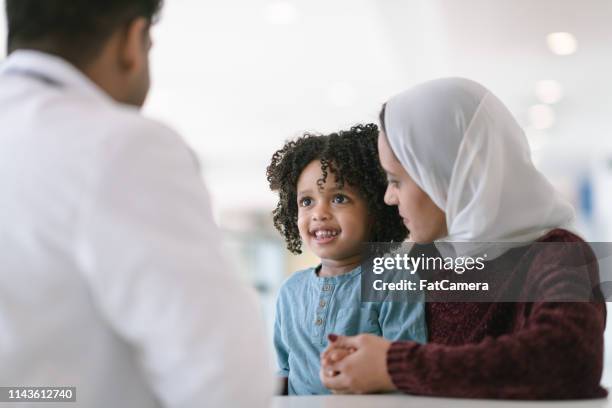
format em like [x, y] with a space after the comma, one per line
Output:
[337, 278]
[54, 69]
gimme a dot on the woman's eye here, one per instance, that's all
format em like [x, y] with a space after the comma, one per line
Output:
[393, 183]
[340, 199]
[305, 202]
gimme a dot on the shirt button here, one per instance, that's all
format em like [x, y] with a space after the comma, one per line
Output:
[319, 322]
[326, 288]
[322, 303]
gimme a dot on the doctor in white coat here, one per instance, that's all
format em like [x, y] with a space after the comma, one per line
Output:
[111, 273]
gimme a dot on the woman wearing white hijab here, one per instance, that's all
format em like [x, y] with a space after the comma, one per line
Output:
[460, 170]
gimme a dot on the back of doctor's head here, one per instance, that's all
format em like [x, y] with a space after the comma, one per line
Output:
[79, 31]
[73, 29]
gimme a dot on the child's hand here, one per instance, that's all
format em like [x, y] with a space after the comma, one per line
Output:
[363, 367]
[332, 355]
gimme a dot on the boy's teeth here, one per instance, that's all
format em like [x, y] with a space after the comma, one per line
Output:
[325, 233]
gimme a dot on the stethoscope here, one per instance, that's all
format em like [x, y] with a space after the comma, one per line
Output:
[35, 75]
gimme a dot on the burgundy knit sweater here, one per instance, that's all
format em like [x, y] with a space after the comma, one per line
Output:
[532, 350]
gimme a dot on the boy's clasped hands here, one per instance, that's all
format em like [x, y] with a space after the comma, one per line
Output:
[356, 365]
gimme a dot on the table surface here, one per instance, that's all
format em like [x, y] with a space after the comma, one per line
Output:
[407, 401]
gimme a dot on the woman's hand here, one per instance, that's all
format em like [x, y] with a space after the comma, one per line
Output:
[356, 365]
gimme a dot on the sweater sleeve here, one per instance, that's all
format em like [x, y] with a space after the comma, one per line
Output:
[556, 353]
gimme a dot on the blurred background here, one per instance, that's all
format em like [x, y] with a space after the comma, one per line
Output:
[237, 78]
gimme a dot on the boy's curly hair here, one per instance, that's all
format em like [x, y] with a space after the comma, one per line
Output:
[352, 156]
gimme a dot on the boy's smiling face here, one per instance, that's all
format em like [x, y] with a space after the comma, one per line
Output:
[333, 222]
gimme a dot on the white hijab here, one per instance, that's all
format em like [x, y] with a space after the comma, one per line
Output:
[463, 147]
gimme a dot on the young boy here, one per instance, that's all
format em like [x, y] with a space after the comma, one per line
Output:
[331, 191]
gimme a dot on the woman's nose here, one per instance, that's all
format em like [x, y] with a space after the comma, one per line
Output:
[390, 196]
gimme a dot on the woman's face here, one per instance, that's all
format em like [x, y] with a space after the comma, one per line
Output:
[425, 221]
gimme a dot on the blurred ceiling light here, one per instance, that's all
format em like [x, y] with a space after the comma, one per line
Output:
[342, 95]
[562, 43]
[281, 13]
[541, 116]
[549, 91]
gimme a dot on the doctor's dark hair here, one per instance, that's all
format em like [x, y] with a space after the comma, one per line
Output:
[352, 156]
[75, 30]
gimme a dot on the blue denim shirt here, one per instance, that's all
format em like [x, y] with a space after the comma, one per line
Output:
[310, 307]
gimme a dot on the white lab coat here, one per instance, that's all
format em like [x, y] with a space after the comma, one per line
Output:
[112, 278]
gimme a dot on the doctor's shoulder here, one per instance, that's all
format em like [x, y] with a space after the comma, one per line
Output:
[125, 131]
[126, 123]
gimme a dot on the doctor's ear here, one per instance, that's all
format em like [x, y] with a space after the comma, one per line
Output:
[135, 45]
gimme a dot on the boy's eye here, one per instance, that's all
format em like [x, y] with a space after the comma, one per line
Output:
[340, 199]
[305, 202]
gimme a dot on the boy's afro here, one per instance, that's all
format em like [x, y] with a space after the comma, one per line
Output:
[352, 156]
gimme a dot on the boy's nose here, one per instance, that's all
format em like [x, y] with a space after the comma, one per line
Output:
[321, 213]
[320, 216]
